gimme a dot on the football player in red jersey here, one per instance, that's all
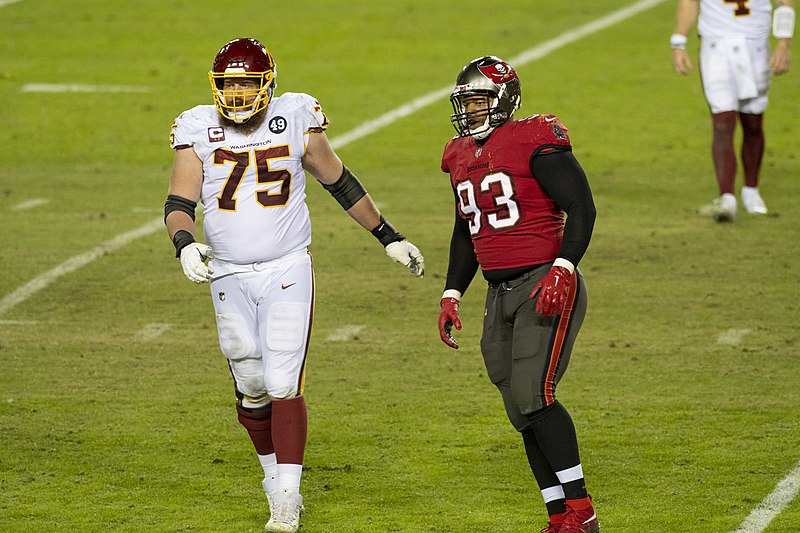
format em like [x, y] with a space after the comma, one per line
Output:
[514, 181]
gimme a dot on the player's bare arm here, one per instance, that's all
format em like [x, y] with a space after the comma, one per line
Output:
[328, 169]
[184, 192]
[185, 182]
[684, 21]
[783, 19]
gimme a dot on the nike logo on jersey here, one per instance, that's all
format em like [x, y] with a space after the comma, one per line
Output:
[284, 287]
[549, 119]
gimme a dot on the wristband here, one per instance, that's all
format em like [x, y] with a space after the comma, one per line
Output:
[181, 240]
[386, 234]
[677, 40]
[783, 22]
[566, 263]
[451, 293]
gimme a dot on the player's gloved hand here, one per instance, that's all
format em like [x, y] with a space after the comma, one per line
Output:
[406, 253]
[193, 257]
[448, 318]
[552, 289]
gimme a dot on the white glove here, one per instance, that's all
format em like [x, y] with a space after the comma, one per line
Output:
[193, 258]
[406, 253]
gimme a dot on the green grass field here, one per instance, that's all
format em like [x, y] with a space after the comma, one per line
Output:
[685, 381]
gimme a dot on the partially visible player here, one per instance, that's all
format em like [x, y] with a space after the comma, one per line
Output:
[736, 68]
[244, 159]
[513, 182]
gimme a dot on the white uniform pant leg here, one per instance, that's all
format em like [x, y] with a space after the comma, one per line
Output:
[759, 59]
[285, 314]
[264, 312]
[735, 74]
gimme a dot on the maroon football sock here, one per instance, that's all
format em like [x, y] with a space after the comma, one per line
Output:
[258, 423]
[752, 147]
[722, 152]
[289, 429]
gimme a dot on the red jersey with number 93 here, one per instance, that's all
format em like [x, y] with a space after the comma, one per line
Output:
[513, 222]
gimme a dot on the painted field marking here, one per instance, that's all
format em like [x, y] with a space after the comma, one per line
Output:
[524, 58]
[4, 3]
[732, 337]
[346, 333]
[76, 88]
[18, 322]
[151, 331]
[771, 506]
[28, 204]
[74, 263]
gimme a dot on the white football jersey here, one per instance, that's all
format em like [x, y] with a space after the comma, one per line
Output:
[253, 192]
[722, 18]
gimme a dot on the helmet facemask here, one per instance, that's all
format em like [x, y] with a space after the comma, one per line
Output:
[241, 102]
[483, 117]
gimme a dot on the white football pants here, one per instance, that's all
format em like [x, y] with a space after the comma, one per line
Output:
[735, 74]
[264, 312]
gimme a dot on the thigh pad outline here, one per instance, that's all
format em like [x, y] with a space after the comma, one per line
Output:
[239, 348]
[286, 326]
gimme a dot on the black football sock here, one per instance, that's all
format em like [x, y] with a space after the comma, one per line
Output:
[558, 441]
[545, 476]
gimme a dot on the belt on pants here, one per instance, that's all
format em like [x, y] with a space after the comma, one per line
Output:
[516, 282]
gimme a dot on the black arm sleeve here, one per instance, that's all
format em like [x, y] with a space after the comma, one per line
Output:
[562, 177]
[463, 262]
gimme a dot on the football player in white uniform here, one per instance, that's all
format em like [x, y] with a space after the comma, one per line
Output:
[244, 160]
[736, 69]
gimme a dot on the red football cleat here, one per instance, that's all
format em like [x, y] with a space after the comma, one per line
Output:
[554, 524]
[580, 521]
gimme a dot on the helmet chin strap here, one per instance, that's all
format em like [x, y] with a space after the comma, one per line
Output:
[231, 114]
[484, 130]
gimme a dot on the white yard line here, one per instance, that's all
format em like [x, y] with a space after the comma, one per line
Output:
[76, 88]
[773, 504]
[74, 263]
[345, 333]
[4, 3]
[28, 204]
[732, 337]
[152, 330]
[524, 58]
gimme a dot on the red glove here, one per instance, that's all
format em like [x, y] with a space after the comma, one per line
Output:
[553, 289]
[448, 317]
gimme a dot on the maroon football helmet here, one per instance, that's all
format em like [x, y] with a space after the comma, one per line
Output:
[242, 79]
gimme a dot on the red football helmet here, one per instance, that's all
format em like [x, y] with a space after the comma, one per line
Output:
[246, 61]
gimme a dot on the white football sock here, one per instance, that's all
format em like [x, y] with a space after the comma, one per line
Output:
[270, 465]
[289, 477]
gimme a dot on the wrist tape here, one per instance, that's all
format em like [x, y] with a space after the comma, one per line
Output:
[677, 40]
[386, 234]
[181, 240]
[783, 22]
